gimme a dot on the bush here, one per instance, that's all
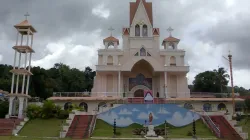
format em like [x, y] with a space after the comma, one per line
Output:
[4, 108]
[34, 111]
[48, 110]
[189, 133]
[63, 114]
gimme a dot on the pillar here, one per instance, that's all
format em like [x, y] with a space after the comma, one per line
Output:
[10, 105]
[119, 83]
[165, 84]
[20, 111]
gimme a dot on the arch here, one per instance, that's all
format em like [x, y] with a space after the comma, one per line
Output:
[111, 44]
[143, 64]
[137, 88]
[102, 105]
[110, 60]
[172, 61]
[137, 30]
[128, 66]
[171, 46]
[221, 106]
[139, 93]
[68, 106]
[84, 106]
[15, 106]
[143, 51]
[188, 106]
[144, 30]
[207, 107]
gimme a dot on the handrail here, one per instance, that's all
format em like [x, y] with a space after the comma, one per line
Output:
[209, 121]
[92, 126]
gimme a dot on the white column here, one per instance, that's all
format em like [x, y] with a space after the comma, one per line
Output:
[13, 75]
[24, 76]
[165, 84]
[119, 83]
[20, 111]
[17, 80]
[28, 80]
[10, 105]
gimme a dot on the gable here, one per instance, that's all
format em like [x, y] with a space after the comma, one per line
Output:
[147, 7]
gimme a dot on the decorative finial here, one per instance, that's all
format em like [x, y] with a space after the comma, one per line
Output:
[170, 30]
[26, 15]
[111, 30]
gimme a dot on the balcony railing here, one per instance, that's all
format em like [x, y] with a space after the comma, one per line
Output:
[71, 94]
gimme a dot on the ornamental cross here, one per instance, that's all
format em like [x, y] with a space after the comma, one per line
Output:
[111, 30]
[170, 30]
[26, 15]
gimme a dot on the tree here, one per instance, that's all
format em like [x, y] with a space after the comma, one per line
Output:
[211, 81]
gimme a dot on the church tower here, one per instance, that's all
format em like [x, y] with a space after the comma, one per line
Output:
[18, 96]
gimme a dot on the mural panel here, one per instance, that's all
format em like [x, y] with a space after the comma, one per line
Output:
[128, 114]
[140, 80]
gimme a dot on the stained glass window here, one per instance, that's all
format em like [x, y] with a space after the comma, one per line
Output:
[137, 30]
[142, 52]
[145, 30]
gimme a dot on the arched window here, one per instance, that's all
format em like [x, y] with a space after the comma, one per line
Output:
[68, 106]
[137, 30]
[101, 105]
[188, 106]
[84, 106]
[142, 52]
[171, 46]
[222, 106]
[111, 44]
[172, 61]
[110, 60]
[145, 30]
[207, 107]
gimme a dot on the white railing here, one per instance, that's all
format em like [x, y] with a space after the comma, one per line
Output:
[211, 123]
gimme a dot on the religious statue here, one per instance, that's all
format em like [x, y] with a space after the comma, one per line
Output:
[150, 118]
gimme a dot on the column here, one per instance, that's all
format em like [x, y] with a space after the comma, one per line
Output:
[17, 81]
[165, 84]
[20, 111]
[13, 75]
[10, 105]
[119, 83]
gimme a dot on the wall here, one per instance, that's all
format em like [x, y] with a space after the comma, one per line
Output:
[128, 114]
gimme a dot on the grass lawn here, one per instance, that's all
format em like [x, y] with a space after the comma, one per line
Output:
[103, 129]
[245, 126]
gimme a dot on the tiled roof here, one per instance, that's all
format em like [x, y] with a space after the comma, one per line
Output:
[126, 31]
[134, 6]
[25, 23]
[171, 39]
[112, 39]
[156, 31]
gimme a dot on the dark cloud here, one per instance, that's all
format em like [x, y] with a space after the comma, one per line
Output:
[232, 33]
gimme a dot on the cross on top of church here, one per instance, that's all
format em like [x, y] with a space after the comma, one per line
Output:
[111, 30]
[170, 30]
[26, 15]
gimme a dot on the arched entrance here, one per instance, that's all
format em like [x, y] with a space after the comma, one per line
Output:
[68, 106]
[222, 106]
[138, 91]
[84, 106]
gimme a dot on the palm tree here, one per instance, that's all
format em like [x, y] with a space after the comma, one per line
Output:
[222, 78]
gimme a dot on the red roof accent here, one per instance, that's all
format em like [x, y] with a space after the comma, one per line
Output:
[156, 31]
[125, 31]
[23, 24]
[171, 39]
[148, 7]
[112, 39]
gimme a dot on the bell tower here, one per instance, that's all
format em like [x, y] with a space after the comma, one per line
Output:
[18, 97]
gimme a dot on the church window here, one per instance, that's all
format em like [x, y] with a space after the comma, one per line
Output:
[110, 60]
[137, 54]
[172, 61]
[137, 30]
[145, 30]
[148, 54]
[142, 52]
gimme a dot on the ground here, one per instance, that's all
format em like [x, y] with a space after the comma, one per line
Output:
[105, 130]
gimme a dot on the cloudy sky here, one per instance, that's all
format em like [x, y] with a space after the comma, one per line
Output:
[71, 31]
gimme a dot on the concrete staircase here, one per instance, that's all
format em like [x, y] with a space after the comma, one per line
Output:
[8, 125]
[79, 127]
[226, 130]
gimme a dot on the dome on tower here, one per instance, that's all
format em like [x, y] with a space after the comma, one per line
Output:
[111, 39]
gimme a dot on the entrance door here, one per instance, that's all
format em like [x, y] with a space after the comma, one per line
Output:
[139, 93]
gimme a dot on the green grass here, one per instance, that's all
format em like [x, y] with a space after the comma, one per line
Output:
[42, 128]
[28, 138]
[245, 123]
[103, 129]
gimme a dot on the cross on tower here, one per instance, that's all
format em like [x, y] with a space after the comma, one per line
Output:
[111, 30]
[170, 30]
[26, 15]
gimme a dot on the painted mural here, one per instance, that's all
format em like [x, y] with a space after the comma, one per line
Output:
[126, 115]
[140, 80]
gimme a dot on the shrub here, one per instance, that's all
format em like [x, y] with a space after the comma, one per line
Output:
[33, 111]
[63, 114]
[4, 108]
[48, 110]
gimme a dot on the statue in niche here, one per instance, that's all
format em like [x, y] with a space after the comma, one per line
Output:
[150, 118]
